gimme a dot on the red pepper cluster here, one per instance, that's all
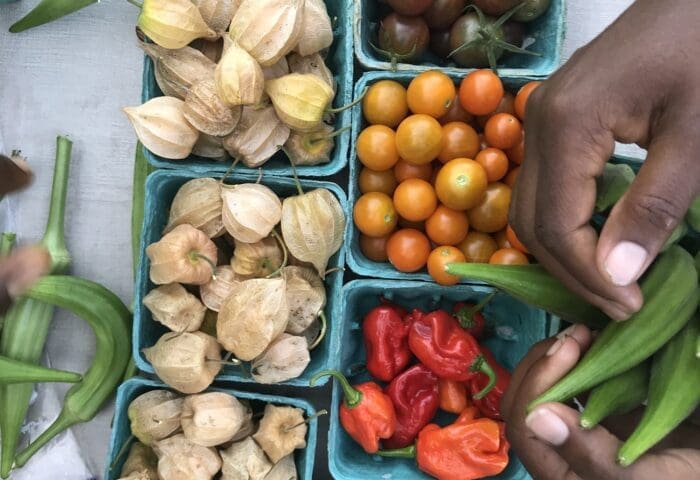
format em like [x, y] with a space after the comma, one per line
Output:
[431, 361]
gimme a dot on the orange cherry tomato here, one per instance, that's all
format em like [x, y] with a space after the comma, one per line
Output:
[483, 144]
[512, 177]
[415, 199]
[481, 92]
[431, 93]
[503, 131]
[419, 139]
[403, 223]
[374, 248]
[376, 148]
[446, 226]
[459, 140]
[461, 184]
[478, 247]
[522, 97]
[491, 214]
[517, 153]
[373, 181]
[513, 240]
[507, 105]
[438, 261]
[502, 239]
[404, 171]
[385, 103]
[374, 214]
[408, 250]
[508, 256]
[494, 161]
[456, 113]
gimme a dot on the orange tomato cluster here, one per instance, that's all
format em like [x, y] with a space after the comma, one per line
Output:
[439, 164]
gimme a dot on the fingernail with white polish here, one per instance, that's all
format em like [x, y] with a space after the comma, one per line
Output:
[555, 348]
[547, 426]
[625, 263]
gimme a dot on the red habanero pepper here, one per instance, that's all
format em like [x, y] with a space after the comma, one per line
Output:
[469, 449]
[366, 414]
[414, 394]
[397, 308]
[490, 405]
[438, 341]
[470, 317]
[386, 342]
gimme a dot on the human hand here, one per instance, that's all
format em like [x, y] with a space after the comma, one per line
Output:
[635, 83]
[550, 442]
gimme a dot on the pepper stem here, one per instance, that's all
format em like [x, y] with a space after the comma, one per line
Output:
[352, 395]
[320, 413]
[406, 452]
[322, 333]
[349, 105]
[7, 243]
[482, 366]
[54, 238]
[466, 314]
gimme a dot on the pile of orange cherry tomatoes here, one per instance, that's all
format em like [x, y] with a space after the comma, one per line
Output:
[438, 166]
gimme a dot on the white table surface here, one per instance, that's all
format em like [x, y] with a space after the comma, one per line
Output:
[72, 77]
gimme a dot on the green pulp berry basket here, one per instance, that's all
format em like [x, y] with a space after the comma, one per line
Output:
[161, 188]
[340, 62]
[356, 259]
[121, 430]
[547, 34]
[515, 326]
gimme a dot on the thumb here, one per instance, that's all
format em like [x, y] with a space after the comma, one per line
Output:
[644, 218]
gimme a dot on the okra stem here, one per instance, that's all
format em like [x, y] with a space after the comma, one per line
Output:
[54, 239]
[7, 243]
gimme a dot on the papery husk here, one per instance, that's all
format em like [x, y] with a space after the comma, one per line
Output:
[176, 258]
[306, 296]
[285, 469]
[312, 227]
[239, 78]
[198, 203]
[212, 419]
[173, 23]
[210, 147]
[311, 148]
[259, 259]
[313, 64]
[141, 463]
[286, 358]
[252, 317]
[244, 460]
[217, 13]
[269, 29]
[275, 435]
[257, 137]
[175, 307]
[220, 288]
[316, 30]
[160, 124]
[205, 110]
[250, 211]
[311, 334]
[300, 99]
[177, 70]
[180, 459]
[212, 49]
[187, 362]
[279, 69]
[250, 425]
[154, 415]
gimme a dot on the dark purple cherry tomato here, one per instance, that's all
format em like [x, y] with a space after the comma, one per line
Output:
[443, 13]
[403, 38]
[440, 43]
[495, 7]
[532, 10]
[409, 7]
[514, 33]
[466, 29]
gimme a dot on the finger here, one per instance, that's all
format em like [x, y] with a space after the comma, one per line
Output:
[644, 218]
[592, 453]
[14, 174]
[580, 333]
[22, 268]
[537, 456]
